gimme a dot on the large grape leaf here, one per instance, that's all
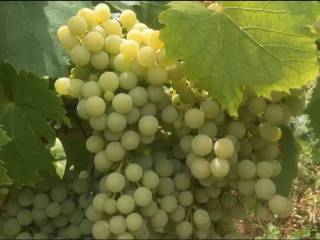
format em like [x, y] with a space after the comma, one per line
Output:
[26, 106]
[261, 45]
[288, 159]
[29, 34]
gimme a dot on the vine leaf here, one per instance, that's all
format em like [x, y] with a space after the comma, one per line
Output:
[29, 34]
[264, 46]
[4, 178]
[26, 106]
[289, 162]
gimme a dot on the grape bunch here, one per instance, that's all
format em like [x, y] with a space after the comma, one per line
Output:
[172, 162]
[54, 209]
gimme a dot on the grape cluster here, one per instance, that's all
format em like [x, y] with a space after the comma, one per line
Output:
[173, 163]
[54, 209]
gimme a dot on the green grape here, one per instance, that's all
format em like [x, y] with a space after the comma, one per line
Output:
[237, 129]
[60, 221]
[24, 235]
[134, 172]
[75, 88]
[265, 189]
[116, 122]
[164, 168]
[25, 198]
[150, 179]
[67, 40]
[99, 30]
[159, 220]
[117, 225]
[270, 132]
[62, 85]
[185, 198]
[40, 236]
[73, 232]
[210, 108]
[93, 214]
[208, 128]
[201, 195]
[38, 215]
[201, 217]
[246, 187]
[58, 193]
[228, 200]
[11, 227]
[155, 94]
[265, 169]
[146, 56]
[129, 48]
[263, 213]
[276, 168]
[148, 109]
[200, 168]
[130, 140]
[157, 75]
[168, 203]
[142, 196]
[184, 230]
[128, 18]
[214, 191]
[95, 106]
[128, 80]
[219, 167]
[81, 109]
[122, 103]
[108, 81]
[279, 205]
[133, 116]
[94, 144]
[125, 204]
[125, 236]
[273, 114]
[215, 214]
[76, 217]
[246, 169]
[148, 125]
[53, 210]
[67, 207]
[110, 206]
[112, 44]
[115, 182]
[270, 151]
[99, 200]
[202, 145]
[79, 55]
[169, 114]
[139, 96]
[122, 63]
[85, 227]
[99, 60]
[115, 151]
[134, 222]
[93, 41]
[100, 230]
[178, 214]
[224, 148]
[24, 217]
[150, 210]
[135, 35]
[186, 143]
[84, 200]
[194, 118]
[77, 25]
[182, 181]
[257, 105]
[98, 123]
[80, 186]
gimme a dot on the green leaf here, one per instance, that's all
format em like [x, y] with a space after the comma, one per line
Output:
[24, 112]
[313, 110]
[4, 139]
[264, 46]
[288, 159]
[147, 11]
[29, 34]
